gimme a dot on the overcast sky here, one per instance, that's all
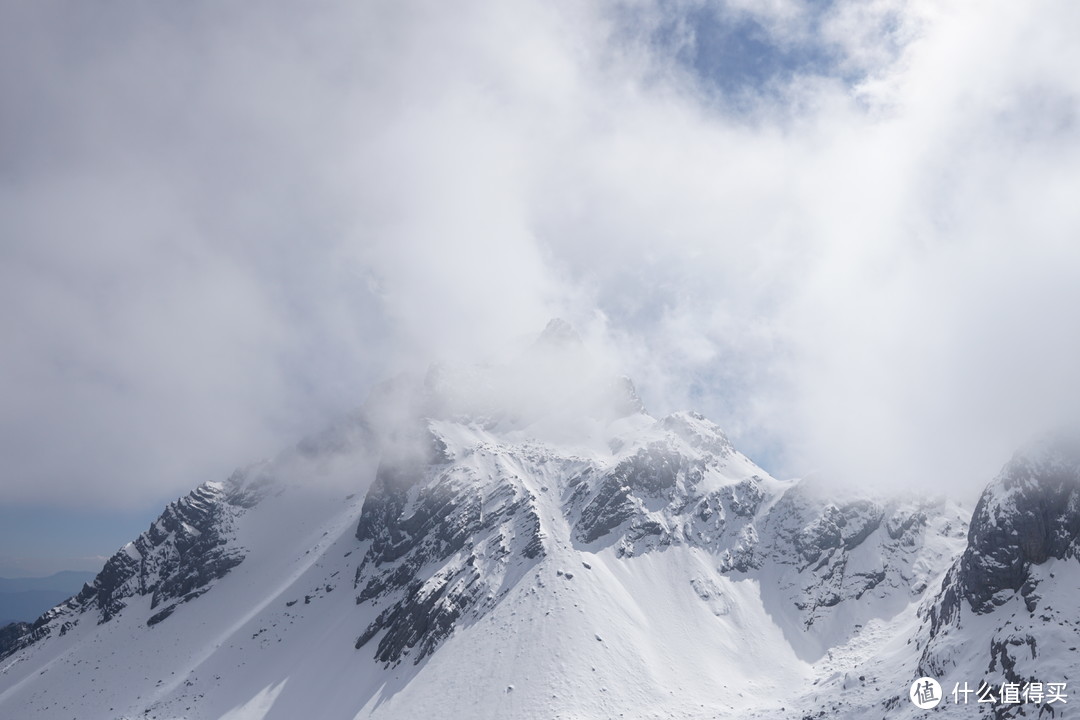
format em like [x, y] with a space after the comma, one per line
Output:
[846, 231]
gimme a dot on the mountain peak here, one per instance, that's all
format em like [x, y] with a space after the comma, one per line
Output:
[533, 516]
[559, 334]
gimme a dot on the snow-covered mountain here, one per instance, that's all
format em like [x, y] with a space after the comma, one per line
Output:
[1010, 604]
[24, 598]
[527, 541]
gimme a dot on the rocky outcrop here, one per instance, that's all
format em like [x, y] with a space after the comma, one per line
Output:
[176, 560]
[824, 551]
[1008, 602]
[655, 496]
[11, 637]
[1027, 515]
[656, 472]
[469, 538]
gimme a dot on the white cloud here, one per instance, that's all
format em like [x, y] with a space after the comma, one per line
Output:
[222, 224]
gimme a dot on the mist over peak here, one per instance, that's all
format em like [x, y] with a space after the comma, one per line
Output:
[559, 334]
[861, 266]
[553, 389]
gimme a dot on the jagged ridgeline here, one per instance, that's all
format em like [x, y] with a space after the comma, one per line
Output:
[1010, 601]
[526, 540]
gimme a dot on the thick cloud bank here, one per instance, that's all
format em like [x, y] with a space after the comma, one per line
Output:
[849, 235]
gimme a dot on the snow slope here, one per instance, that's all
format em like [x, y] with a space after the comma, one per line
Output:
[445, 555]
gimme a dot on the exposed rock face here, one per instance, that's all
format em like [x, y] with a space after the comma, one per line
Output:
[820, 553]
[447, 539]
[10, 635]
[471, 538]
[656, 472]
[658, 495]
[1028, 514]
[816, 539]
[473, 534]
[1000, 604]
[828, 566]
[182, 552]
[176, 560]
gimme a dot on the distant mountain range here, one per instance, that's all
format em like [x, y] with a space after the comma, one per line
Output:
[24, 599]
[521, 542]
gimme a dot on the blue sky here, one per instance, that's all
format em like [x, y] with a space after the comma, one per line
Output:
[735, 53]
[844, 231]
[41, 540]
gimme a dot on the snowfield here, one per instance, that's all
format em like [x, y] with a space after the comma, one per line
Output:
[472, 563]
